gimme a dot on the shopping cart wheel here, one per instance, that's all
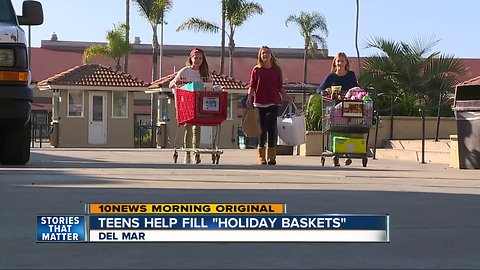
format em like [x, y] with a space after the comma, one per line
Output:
[197, 158]
[364, 161]
[214, 158]
[175, 157]
[335, 161]
[322, 160]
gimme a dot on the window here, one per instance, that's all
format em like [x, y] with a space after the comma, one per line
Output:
[75, 103]
[164, 110]
[7, 13]
[119, 104]
[56, 105]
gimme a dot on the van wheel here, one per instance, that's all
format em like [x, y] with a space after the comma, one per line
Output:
[15, 144]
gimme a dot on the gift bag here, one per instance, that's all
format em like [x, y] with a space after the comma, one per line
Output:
[251, 123]
[291, 127]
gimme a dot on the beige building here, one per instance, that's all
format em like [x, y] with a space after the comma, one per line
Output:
[92, 106]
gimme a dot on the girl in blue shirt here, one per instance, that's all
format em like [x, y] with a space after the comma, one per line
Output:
[340, 75]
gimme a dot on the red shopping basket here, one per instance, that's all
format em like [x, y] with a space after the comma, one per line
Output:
[205, 108]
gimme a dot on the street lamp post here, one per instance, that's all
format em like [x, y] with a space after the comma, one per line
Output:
[29, 45]
[163, 101]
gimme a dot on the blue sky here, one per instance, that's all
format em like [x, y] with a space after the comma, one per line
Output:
[454, 23]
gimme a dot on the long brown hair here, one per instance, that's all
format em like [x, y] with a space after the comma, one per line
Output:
[204, 70]
[338, 55]
[275, 65]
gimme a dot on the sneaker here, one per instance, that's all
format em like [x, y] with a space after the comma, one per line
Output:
[187, 159]
[348, 162]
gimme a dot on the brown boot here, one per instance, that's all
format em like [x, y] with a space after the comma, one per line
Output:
[261, 156]
[272, 155]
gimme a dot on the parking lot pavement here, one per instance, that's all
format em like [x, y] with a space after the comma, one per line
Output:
[433, 208]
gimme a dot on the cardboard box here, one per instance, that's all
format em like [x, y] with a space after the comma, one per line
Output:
[347, 145]
[194, 86]
[334, 134]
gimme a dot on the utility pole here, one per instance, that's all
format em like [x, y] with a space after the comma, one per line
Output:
[127, 34]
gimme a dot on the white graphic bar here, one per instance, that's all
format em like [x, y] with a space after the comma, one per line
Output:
[238, 236]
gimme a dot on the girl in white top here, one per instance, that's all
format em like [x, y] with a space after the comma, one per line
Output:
[196, 70]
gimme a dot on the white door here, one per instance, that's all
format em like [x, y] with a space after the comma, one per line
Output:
[206, 137]
[97, 128]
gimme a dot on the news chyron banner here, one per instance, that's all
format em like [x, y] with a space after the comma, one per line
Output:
[61, 228]
[208, 223]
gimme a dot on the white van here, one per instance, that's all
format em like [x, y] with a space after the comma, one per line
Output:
[15, 95]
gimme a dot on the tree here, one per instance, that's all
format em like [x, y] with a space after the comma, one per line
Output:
[154, 11]
[410, 74]
[309, 23]
[236, 13]
[115, 48]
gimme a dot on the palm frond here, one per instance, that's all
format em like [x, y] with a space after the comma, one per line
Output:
[154, 10]
[424, 44]
[95, 50]
[199, 25]
[242, 14]
[292, 19]
[309, 24]
[410, 72]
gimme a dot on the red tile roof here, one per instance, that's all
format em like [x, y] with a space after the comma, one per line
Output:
[228, 82]
[162, 82]
[93, 75]
[223, 80]
[473, 81]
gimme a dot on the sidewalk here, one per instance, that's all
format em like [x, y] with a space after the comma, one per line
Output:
[432, 207]
[242, 171]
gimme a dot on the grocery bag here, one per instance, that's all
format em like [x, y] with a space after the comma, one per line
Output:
[291, 127]
[251, 123]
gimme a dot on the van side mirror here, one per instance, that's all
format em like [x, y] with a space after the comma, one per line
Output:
[32, 13]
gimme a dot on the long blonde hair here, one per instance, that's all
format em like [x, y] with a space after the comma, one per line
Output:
[344, 56]
[275, 65]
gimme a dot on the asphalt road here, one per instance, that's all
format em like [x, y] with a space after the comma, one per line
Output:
[434, 210]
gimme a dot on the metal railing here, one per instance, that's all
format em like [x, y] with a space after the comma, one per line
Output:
[422, 112]
[40, 133]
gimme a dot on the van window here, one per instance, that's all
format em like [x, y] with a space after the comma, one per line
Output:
[7, 14]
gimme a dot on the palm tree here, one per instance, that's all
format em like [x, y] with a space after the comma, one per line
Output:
[309, 23]
[115, 48]
[154, 11]
[236, 13]
[409, 73]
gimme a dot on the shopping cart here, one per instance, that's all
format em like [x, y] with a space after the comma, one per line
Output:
[202, 108]
[346, 128]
